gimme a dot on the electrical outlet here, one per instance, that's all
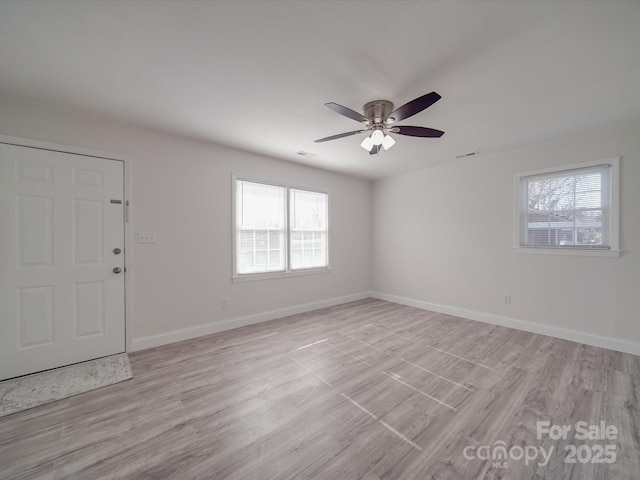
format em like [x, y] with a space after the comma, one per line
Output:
[225, 303]
[147, 237]
[507, 299]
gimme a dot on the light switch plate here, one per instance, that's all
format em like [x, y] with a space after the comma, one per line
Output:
[147, 237]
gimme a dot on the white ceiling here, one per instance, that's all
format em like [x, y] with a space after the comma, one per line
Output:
[256, 75]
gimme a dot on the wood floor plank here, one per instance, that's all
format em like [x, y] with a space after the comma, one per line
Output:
[368, 390]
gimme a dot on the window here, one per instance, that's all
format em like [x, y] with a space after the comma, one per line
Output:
[569, 210]
[308, 229]
[260, 228]
[279, 229]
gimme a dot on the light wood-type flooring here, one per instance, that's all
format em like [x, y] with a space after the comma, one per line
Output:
[367, 390]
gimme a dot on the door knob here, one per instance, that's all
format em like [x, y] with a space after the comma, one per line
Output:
[117, 270]
[117, 251]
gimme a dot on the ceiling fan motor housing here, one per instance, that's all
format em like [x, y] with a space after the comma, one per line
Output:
[377, 110]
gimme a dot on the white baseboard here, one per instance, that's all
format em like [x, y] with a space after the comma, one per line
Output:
[207, 329]
[551, 331]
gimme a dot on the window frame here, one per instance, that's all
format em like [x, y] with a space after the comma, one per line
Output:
[288, 271]
[572, 250]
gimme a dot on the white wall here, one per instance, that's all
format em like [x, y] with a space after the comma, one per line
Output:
[182, 191]
[455, 227]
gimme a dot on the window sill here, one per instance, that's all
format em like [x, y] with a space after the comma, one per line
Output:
[579, 252]
[249, 277]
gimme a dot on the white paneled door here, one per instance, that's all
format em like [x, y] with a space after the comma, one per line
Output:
[61, 259]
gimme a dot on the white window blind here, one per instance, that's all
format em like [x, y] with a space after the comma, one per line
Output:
[279, 229]
[567, 209]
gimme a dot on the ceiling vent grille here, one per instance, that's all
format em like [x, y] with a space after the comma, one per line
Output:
[302, 153]
[465, 155]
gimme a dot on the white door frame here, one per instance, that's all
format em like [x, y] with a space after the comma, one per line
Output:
[128, 229]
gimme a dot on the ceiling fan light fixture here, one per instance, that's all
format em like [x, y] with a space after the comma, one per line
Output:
[377, 136]
[367, 144]
[388, 142]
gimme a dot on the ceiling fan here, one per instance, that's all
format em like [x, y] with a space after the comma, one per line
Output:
[380, 119]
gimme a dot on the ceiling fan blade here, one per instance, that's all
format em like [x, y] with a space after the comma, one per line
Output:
[347, 112]
[414, 106]
[375, 149]
[417, 132]
[340, 135]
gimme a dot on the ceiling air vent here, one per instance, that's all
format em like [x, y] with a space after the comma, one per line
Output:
[306, 154]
